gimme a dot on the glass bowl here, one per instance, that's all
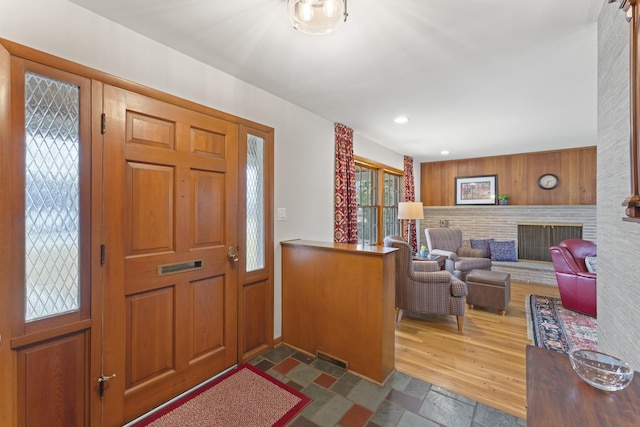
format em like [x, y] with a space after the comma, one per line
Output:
[601, 370]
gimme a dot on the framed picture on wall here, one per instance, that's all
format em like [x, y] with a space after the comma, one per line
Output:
[476, 190]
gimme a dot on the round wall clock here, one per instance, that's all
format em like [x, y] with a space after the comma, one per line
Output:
[548, 181]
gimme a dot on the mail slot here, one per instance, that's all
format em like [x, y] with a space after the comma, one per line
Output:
[180, 267]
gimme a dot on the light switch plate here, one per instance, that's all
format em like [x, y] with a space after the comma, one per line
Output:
[281, 214]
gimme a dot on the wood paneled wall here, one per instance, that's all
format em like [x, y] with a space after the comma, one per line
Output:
[517, 175]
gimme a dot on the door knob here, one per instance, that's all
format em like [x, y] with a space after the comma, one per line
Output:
[232, 254]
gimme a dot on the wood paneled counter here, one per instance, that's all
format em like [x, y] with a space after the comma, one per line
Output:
[339, 299]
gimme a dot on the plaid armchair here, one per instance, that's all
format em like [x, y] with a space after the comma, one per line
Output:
[422, 288]
[460, 260]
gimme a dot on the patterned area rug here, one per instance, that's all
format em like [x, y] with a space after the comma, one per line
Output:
[244, 397]
[551, 326]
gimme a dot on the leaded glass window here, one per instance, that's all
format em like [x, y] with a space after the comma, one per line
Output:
[255, 204]
[52, 197]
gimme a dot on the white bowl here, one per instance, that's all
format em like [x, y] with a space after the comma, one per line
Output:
[601, 370]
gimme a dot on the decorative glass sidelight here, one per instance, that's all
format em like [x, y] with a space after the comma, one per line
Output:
[52, 196]
[255, 203]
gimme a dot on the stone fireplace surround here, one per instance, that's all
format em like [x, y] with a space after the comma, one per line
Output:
[501, 223]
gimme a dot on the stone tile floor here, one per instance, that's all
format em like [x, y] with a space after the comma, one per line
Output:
[343, 399]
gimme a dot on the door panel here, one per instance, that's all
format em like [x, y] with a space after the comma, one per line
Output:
[150, 205]
[171, 214]
[206, 213]
[149, 336]
[150, 131]
[207, 297]
[255, 303]
[53, 372]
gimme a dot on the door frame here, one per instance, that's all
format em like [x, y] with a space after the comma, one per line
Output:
[8, 357]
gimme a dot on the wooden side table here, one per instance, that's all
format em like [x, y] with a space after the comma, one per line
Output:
[440, 259]
[557, 396]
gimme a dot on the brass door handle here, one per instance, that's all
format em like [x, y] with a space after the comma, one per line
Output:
[102, 380]
[232, 254]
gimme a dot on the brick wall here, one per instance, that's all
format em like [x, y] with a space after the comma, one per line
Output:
[501, 223]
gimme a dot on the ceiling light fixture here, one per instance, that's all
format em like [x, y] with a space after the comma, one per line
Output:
[401, 120]
[317, 16]
[444, 152]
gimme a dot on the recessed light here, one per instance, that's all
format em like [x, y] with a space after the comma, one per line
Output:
[401, 120]
[444, 152]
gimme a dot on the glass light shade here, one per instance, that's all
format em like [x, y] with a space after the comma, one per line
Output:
[316, 16]
[410, 210]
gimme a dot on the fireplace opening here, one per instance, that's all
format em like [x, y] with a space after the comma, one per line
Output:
[534, 239]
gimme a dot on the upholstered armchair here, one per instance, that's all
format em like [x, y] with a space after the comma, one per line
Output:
[422, 288]
[577, 286]
[460, 260]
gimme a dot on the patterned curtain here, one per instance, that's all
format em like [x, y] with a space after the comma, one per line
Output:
[409, 196]
[346, 210]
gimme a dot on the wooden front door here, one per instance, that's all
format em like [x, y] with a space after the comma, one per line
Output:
[170, 235]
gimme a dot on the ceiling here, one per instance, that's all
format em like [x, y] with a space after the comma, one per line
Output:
[475, 77]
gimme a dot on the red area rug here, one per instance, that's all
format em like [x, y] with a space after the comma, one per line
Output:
[243, 397]
[553, 327]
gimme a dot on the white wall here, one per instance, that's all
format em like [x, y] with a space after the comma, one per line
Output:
[370, 150]
[304, 142]
[618, 252]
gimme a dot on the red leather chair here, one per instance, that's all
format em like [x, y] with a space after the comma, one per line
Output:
[577, 285]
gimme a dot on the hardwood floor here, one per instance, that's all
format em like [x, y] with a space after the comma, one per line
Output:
[486, 362]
